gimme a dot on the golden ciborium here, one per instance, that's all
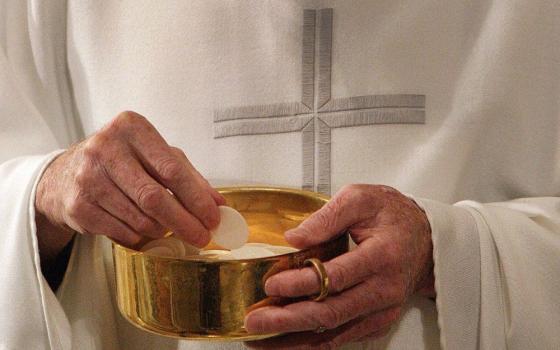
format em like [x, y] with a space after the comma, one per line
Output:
[205, 299]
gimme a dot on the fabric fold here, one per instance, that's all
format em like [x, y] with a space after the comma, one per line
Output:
[495, 273]
[457, 273]
[35, 319]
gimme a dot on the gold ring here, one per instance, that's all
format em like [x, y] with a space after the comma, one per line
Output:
[323, 278]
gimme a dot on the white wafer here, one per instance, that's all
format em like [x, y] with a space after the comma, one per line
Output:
[190, 249]
[161, 251]
[232, 232]
[251, 252]
[214, 252]
[178, 247]
[279, 250]
[254, 244]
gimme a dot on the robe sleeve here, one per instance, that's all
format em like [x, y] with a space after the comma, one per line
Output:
[497, 273]
[36, 121]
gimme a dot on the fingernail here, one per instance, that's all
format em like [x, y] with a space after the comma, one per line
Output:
[295, 238]
[203, 240]
[212, 218]
[255, 321]
[212, 221]
[270, 287]
[221, 200]
[251, 321]
[292, 234]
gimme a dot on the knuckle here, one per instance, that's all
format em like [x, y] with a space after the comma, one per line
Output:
[332, 316]
[170, 170]
[149, 197]
[351, 188]
[352, 191]
[387, 189]
[76, 207]
[82, 176]
[352, 197]
[130, 117]
[124, 120]
[177, 151]
[94, 146]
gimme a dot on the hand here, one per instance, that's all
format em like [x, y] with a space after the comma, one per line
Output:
[368, 285]
[117, 183]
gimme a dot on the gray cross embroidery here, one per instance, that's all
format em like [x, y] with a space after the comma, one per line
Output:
[318, 113]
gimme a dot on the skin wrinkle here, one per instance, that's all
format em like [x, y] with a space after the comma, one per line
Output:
[107, 184]
[391, 231]
[392, 261]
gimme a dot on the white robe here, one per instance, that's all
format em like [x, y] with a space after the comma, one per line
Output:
[483, 132]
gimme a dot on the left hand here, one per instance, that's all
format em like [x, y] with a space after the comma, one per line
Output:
[368, 285]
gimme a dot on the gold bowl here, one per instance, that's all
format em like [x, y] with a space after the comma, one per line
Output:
[207, 299]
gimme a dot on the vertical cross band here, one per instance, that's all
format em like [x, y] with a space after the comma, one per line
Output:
[318, 112]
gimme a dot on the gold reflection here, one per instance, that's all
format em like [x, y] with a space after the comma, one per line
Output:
[206, 299]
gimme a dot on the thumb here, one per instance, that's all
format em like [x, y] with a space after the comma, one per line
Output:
[341, 212]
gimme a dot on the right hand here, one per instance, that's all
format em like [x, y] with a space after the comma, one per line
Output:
[116, 183]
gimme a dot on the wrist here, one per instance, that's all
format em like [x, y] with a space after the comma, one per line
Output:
[51, 238]
[425, 282]
[52, 234]
[45, 203]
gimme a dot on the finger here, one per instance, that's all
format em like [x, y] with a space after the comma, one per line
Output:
[342, 211]
[361, 329]
[120, 206]
[334, 311]
[218, 198]
[89, 218]
[155, 201]
[343, 271]
[173, 172]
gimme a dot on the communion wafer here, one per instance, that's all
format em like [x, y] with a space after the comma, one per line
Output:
[232, 232]
[251, 252]
[278, 249]
[178, 248]
[214, 252]
[161, 251]
[254, 244]
[190, 249]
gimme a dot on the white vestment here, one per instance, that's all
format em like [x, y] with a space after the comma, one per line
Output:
[455, 101]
